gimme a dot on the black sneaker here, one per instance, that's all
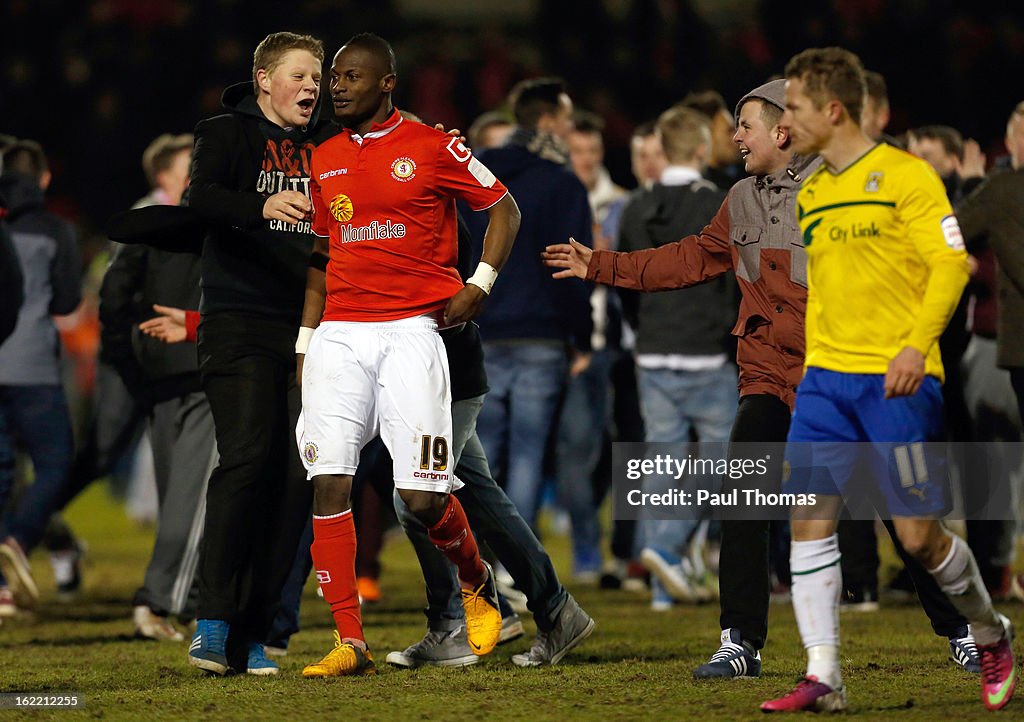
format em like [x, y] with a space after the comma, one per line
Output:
[963, 650]
[859, 598]
[901, 588]
[735, 659]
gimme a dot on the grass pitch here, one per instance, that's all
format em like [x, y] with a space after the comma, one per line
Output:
[636, 666]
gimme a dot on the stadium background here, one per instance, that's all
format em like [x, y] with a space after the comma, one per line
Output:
[95, 80]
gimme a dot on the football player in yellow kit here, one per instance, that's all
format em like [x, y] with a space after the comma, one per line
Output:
[886, 267]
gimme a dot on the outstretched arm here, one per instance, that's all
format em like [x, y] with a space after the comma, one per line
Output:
[686, 262]
[572, 257]
[170, 326]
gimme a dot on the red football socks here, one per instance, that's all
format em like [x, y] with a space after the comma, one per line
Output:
[334, 558]
[453, 538]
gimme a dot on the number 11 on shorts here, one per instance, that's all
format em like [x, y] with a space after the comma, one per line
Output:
[435, 447]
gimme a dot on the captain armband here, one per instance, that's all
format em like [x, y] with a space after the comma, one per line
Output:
[484, 277]
[318, 260]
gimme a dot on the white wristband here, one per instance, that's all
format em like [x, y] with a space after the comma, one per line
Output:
[484, 277]
[302, 340]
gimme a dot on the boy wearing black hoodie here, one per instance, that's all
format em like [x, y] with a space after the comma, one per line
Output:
[250, 181]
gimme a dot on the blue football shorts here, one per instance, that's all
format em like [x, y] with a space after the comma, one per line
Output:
[847, 439]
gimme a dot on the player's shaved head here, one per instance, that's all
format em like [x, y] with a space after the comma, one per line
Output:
[377, 47]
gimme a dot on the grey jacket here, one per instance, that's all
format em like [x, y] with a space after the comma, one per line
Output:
[48, 251]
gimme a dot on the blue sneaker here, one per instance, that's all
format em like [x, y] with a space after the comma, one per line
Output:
[661, 600]
[209, 645]
[258, 663]
[586, 565]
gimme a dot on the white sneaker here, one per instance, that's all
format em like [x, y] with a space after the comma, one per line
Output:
[511, 628]
[7, 606]
[16, 570]
[153, 626]
[506, 588]
[671, 576]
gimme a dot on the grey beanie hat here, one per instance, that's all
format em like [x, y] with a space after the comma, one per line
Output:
[774, 92]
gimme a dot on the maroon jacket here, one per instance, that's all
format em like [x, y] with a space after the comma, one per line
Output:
[755, 234]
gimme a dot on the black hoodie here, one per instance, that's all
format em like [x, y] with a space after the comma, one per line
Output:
[691, 321]
[250, 264]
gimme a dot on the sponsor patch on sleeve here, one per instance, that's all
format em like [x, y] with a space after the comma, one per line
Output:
[951, 232]
[482, 173]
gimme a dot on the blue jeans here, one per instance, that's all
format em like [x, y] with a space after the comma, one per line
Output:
[673, 404]
[37, 417]
[527, 381]
[581, 435]
[495, 520]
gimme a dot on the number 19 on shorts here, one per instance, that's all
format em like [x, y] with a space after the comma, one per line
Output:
[434, 448]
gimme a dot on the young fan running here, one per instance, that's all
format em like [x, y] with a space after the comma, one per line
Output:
[369, 351]
[886, 266]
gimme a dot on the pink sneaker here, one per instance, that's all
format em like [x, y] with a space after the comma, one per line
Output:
[810, 695]
[998, 671]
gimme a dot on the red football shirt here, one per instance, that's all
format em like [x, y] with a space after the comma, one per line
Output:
[387, 202]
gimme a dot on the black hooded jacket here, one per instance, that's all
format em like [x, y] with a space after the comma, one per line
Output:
[250, 264]
[690, 321]
[138, 277]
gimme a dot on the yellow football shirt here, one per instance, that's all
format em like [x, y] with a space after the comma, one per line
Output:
[885, 262]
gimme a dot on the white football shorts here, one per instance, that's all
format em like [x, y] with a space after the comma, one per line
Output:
[389, 378]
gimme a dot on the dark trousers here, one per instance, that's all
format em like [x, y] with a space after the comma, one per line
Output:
[258, 500]
[37, 417]
[116, 423]
[629, 426]
[1017, 380]
[858, 545]
[744, 577]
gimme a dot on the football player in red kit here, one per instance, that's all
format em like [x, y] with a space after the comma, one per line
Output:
[371, 356]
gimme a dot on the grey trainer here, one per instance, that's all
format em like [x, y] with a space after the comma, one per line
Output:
[439, 648]
[572, 626]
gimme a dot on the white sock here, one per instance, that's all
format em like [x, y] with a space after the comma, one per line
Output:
[959, 578]
[823, 663]
[817, 583]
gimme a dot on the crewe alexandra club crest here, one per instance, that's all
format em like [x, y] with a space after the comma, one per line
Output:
[310, 452]
[403, 169]
[341, 208]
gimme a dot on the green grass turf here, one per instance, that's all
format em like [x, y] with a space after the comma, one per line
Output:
[637, 665]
